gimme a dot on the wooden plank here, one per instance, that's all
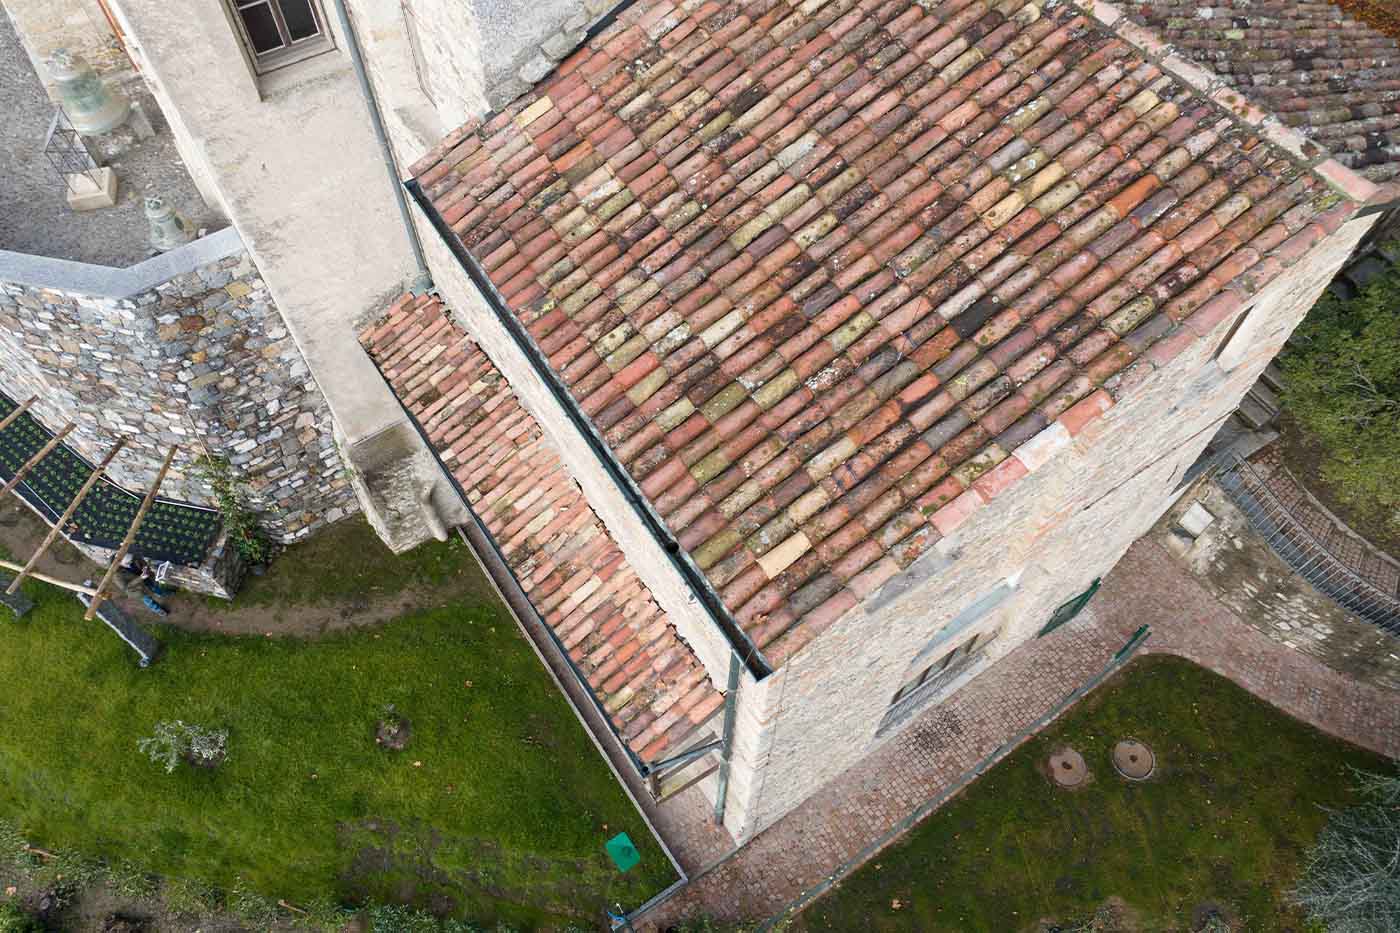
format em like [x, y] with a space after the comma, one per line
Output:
[130, 536]
[34, 460]
[68, 513]
[75, 587]
[10, 418]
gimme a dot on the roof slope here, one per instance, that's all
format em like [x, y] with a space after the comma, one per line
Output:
[1336, 79]
[818, 271]
[650, 684]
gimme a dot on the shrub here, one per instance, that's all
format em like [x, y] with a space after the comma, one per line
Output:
[1352, 880]
[1342, 385]
[177, 741]
[240, 522]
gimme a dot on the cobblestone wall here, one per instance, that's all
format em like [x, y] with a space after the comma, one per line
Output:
[203, 357]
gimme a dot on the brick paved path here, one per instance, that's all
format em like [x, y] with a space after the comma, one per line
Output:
[858, 808]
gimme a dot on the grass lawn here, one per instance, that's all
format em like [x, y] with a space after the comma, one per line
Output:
[348, 561]
[1225, 822]
[497, 811]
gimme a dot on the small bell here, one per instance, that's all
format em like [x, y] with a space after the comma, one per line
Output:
[92, 106]
[169, 228]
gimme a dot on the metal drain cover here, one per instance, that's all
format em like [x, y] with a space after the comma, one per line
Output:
[1067, 767]
[1134, 760]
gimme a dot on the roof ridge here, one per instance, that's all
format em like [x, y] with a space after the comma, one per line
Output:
[1231, 102]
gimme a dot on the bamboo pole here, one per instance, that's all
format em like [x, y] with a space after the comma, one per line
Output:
[45, 578]
[67, 514]
[34, 460]
[9, 419]
[130, 536]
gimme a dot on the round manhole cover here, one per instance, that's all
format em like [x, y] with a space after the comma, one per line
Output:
[1134, 760]
[1067, 768]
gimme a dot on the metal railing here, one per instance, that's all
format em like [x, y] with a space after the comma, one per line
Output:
[1309, 557]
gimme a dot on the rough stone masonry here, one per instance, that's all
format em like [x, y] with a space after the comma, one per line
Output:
[200, 359]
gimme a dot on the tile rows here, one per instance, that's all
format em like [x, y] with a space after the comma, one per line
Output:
[1335, 79]
[650, 684]
[829, 276]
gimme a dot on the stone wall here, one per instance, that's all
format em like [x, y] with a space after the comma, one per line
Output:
[521, 40]
[191, 352]
[1090, 496]
[1237, 565]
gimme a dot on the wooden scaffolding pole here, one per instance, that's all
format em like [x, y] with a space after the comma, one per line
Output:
[68, 513]
[10, 418]
[34, 460]
[99, 596]
[75, 587]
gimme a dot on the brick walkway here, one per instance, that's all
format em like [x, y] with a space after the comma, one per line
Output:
[857, 809]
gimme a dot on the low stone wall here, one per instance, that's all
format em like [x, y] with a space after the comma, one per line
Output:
[1238, 567]
[187, 348]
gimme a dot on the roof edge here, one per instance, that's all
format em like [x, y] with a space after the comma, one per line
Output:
[739, 641]
[1230, 102]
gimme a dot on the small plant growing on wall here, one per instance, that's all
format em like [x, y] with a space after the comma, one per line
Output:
[177, 741]
[243, 531]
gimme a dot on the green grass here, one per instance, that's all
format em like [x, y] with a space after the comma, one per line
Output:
[504, 820]
[348, 562]
[1227, 820]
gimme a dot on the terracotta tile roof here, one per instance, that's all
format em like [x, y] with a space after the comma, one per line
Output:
[829, 276]
[1333, 77]
[650, 684]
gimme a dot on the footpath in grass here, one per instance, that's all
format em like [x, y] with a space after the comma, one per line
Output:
[1223, 826]
[497, 810]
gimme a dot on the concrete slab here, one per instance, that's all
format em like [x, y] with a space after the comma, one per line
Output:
[1195, 520]
[91, 191]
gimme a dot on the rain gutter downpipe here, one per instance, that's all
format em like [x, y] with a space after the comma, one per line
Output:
[423, 279]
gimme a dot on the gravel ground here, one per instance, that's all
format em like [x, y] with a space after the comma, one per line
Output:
[35, 217]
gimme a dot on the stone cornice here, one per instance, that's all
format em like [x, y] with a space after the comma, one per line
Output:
[109, 282]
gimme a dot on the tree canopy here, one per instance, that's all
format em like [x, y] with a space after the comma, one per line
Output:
[1342, 385]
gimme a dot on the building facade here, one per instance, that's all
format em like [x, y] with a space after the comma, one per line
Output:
[862, 336]
[873, 333]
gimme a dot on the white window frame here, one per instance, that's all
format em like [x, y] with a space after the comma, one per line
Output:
[292, 51]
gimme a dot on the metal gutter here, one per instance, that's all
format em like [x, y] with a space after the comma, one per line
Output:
[739, 641]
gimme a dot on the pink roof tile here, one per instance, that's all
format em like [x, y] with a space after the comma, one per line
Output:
[816, 271]
[645, 676]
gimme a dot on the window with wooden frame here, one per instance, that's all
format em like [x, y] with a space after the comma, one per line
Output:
[943, 670]
[930, 680]
[281, 32]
